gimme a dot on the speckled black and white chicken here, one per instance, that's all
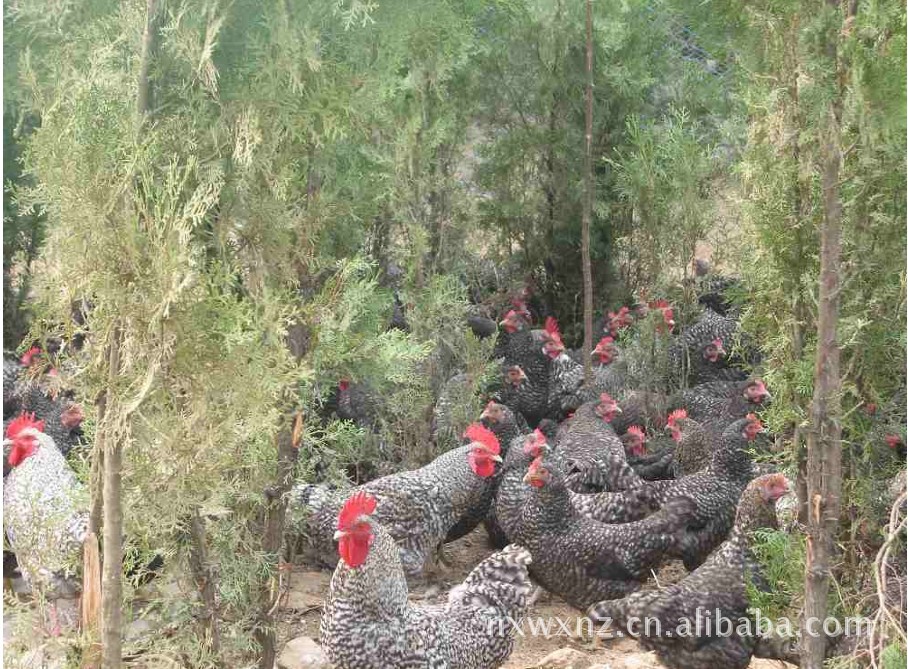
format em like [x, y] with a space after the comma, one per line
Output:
[518, 345]
[718, 585]
[30, 384]
[715, 490]
[580, 559]
[721, 402]
[418, 508]
[591, 453]
[698, 354]
[369, 623]
[45, 510]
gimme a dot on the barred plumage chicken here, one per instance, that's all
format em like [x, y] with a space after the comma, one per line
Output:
[715, 490]
[580, 559]
[721, 402]
[720, 584]
[29, 388]
[591, 453]
[698, 354]
[368, 622]
[418, 508]
[45, 509]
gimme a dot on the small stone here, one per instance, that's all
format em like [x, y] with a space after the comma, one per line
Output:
[302, 653]
[564, 658]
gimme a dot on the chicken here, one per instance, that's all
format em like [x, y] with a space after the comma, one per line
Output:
[651, 466]
[698, 354]
[590, 451]
[721, 402]
[45, 510]
[418, 508]
[505, 514]
[695, 444]
[518, 392]
[639, 407]
[357, 403]
[715, 490]
[582, 560]
[27, 387]
[518, 345]
[719, 587]
[368, 622]
[509, 429]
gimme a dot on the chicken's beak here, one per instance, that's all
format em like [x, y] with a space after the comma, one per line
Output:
[7, 442]
[496, 458]
[338, 535]
[530, 478]
[618, 409]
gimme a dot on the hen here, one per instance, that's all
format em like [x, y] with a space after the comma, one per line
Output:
[580, 559]
[368, 622]
[715, 490]
[591, 453]
[721, 402]
[518, 345]
[650, 465]
[512, 493]
[719, 587]
[698, 354]
[695, 444]
[418, 508]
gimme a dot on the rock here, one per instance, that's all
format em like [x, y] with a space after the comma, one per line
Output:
[564, 658]
[302, 653]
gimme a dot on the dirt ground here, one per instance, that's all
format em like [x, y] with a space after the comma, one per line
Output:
[301, 610]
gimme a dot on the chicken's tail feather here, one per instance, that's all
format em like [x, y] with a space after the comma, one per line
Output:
[501, 581]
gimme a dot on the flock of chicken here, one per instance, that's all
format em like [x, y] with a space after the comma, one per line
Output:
[585, 488]
[579, 494]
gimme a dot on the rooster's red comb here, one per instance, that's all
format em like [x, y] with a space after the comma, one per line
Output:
[551, 326]
[23, 422]
[360, 503]
[676, 415]
[637, 430]
[539, 437]
[605, 397]
[478, 433]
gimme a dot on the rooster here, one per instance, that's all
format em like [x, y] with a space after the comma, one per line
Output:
[418, 508]
[695, 444]
[368, 622]
[720, 584]
[45, 511]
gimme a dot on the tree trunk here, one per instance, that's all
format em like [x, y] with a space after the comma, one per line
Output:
[205, 581]
[588, 205]
[273, 534]
[824, 440]
[111, 569]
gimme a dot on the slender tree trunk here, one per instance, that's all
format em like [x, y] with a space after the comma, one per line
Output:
[288, 440]
[111, 431]
[588, 205]
[111, 569]
[206, 583]
[824, 440]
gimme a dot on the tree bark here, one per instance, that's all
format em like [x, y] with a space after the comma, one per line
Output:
[111, 569]
[206, 582]
[273, 534]
[824, 440]
[588, 206]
